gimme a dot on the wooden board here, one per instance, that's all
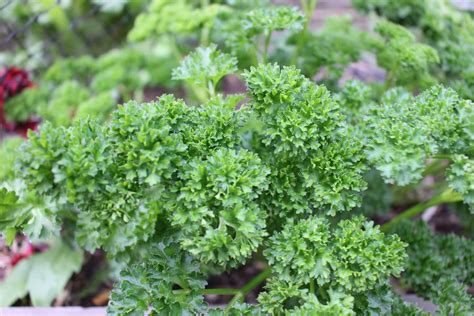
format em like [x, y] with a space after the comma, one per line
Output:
[53, 311]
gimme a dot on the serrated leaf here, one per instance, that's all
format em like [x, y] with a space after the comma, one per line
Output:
[205, 63]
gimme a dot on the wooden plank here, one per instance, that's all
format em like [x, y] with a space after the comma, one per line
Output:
[52, 311]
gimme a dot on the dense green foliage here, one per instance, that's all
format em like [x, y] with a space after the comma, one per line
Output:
[311, 169]
[402, 135]
[8, 153]
[44, 30]
[439, 267]
[166, 166]
[175, 191]
[339, 44]
[406, 61]
[449, 31]
[90, 87]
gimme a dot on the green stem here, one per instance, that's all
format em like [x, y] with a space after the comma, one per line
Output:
[443, 156]
[181, 291]
[255, 53]
[68, 214]
[205, 35]
[388, 81]
[311, 286]
[256, 281]
[249, 287]
[199, 93]
[220, 291]
[174, 47]
[265, 46]
[434, 167]
[211, 86]
[206, 28]
[308, 9]
[447, 196]
[234, 300]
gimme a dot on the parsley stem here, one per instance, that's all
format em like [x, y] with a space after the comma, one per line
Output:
[308, 8]
[206, 28]
[197, 91]
[211, 87]
[221, 291]
[256, 281]
[255, 53]
[311, 286]
[234, 300]
[434, 167]
[443, 156]
[218, 291]
[446, 196]
[265, 47]
[388, 81]
[239, 294]
[174, 47]
[249, 287]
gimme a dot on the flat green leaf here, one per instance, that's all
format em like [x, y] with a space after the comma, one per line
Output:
[14, 286]
[9, 235]
[43, 276]
[50, 272]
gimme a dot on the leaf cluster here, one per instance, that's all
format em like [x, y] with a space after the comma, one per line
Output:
[167, 283]
[442, 26]
[339, 258]
[175, 193]
[51, 30]
[402, 135]
[89, 87]
[338, 44]
[439, 267]
[181, 192]
[180, 17]
[301, 139]
[205, 68]
[406, 61]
